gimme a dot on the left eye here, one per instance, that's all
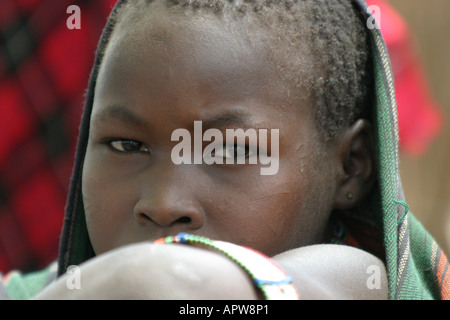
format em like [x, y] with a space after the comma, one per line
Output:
[124, 145]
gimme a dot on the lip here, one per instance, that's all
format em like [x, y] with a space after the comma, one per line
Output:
[166, 234]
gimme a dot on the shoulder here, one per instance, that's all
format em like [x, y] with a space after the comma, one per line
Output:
[330, 271]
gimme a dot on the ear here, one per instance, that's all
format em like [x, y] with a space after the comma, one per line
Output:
[357, 176]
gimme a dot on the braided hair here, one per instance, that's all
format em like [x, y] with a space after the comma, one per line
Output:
[338, 76]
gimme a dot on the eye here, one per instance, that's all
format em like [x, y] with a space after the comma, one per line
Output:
[234, 151]
[128, 146]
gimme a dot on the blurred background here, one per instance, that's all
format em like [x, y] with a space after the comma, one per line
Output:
[44, 69]
[426, 174]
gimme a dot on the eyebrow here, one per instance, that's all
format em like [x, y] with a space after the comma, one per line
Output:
[122, 114]
[227, 119]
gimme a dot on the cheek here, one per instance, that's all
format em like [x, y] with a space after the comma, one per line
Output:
[279, 221]
[286, 211]
[105, 205]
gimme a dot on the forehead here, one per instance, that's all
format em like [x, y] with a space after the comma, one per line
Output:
[166, 52]
[194, 42]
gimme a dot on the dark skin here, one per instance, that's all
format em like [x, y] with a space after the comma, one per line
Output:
[178, 80]
[162, 75]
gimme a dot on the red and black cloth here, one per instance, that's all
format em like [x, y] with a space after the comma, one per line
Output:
[44, 71]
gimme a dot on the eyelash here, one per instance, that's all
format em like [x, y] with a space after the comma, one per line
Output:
[117, 144]
[142, 148]
[235, 152]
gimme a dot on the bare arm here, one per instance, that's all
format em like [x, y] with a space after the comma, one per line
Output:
[147, 271]
[335, 272]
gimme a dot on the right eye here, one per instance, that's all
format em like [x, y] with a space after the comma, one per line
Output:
[128, 146]
[234, 151]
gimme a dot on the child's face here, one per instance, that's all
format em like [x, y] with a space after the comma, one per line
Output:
[164, 72]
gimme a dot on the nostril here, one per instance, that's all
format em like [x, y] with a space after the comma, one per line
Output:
[143, 218]
[184, 220]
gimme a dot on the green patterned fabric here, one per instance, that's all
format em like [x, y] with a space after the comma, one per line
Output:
[19, 286]
[417, 267]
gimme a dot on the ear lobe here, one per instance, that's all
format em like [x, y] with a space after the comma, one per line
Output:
[356, 151]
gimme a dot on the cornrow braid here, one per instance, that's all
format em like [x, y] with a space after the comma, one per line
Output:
[338, 75]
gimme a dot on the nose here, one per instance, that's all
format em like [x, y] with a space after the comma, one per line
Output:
[166, 213]
[167, 200]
